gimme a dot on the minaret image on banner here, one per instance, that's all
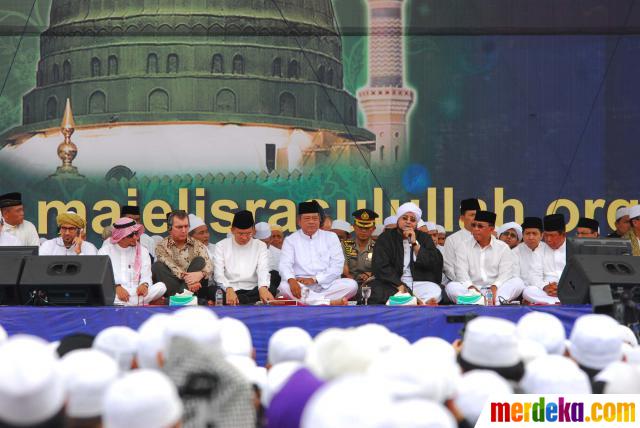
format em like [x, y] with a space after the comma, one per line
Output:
[386, 102]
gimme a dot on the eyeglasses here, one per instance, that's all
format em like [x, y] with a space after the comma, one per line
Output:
[510, 235]
[409, 218]
[131, 235]
[68, 229]
[476, 225]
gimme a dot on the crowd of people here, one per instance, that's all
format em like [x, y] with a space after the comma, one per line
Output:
[193, 369]
[404, 260]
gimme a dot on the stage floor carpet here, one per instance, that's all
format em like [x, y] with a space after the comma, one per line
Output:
[53, 323]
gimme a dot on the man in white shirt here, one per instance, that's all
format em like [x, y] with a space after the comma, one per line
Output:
[133, 212]
[510, 233]
[312, 261]
[242, 263]
[131, 265]
[529, 253]
[485, 262]
[456, 241]
[70, 242]
[544, 283]
[12, 211]
[6, 239]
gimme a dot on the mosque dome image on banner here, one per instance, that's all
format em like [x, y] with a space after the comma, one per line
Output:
[195, 85]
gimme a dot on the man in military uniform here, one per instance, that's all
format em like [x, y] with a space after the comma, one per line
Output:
[358, 252]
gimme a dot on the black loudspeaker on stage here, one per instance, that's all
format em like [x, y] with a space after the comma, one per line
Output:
[67, 281]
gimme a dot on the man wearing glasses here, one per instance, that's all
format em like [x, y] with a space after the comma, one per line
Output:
[406, 260]
[510, 233]
[182, 262]
[455, 242]
[131, 265]
[6, 239]
[71, 240]
[485, 262]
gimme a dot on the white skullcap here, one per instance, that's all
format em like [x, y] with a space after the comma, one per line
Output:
[529, 350]
[628, 336]
[392, 219]
[621, 212]
[490, 342]
[120, 343]
[277, 377]
[235, 338]
[142, 399]
[416, 377]
[353, 401]
[438, 349]
[409, 207]
[342, 225]
[263, 230]
[197, 323]
[194, 222]
[377, 336]
[31, 387]
[634, 211]
[545, 329]
[475, 388]
[511, 225]
[431, 226]
[440, 229]
[3, 335]
[555, 374]
[288, 344]
[421, 414]
[421, 223]
[87, 375]
[595, 341]
[151, 340]
[249, 370]
[620, 378]
[378, 230]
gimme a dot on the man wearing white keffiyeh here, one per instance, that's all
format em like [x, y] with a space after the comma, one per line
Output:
[131, 265]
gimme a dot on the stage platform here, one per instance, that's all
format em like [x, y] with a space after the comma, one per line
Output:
[52, 323]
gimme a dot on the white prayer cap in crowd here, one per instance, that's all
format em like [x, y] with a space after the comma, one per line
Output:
[634, 211]
[421, 414]
[195, 222]
[392, 219]
[545, 329]
[31, 386]
[235, 337]
[120, 343]
[620, 378]
[352, 401]
[197, 323]
[376, 335]
[628, 336]
[151, 340]
[417, 377]
[342, 225]
[555, 374]
[263, 230]
[288, 344]
[621, 212]
[3, 335]
[142, 399]
[409, 207]
[440, 229]
[87, 374]
[475, 388]
[378, 230]
[437, 348]
[511, 225]
[277, 377]
[595, 341]
[490, 342]
[249, 369]
[431, 226]
[529, 350]
[421, 223]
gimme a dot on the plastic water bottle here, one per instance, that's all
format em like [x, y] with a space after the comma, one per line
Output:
[489, 297]
[219, 297]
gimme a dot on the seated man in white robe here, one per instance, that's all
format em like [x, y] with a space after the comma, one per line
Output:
[485, 262]
[7, 239]
[529, 253]
[131, 265]
[312, 262]
[241, 263]
[510, 233]
[199, 231]
[457, 240]
[71, 240]
[544, 281]
[133, 212]
[12, 211]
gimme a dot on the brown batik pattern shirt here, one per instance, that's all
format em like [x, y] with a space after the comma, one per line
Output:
[179, 259]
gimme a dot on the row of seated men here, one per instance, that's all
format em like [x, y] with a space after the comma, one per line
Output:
[313, 265]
